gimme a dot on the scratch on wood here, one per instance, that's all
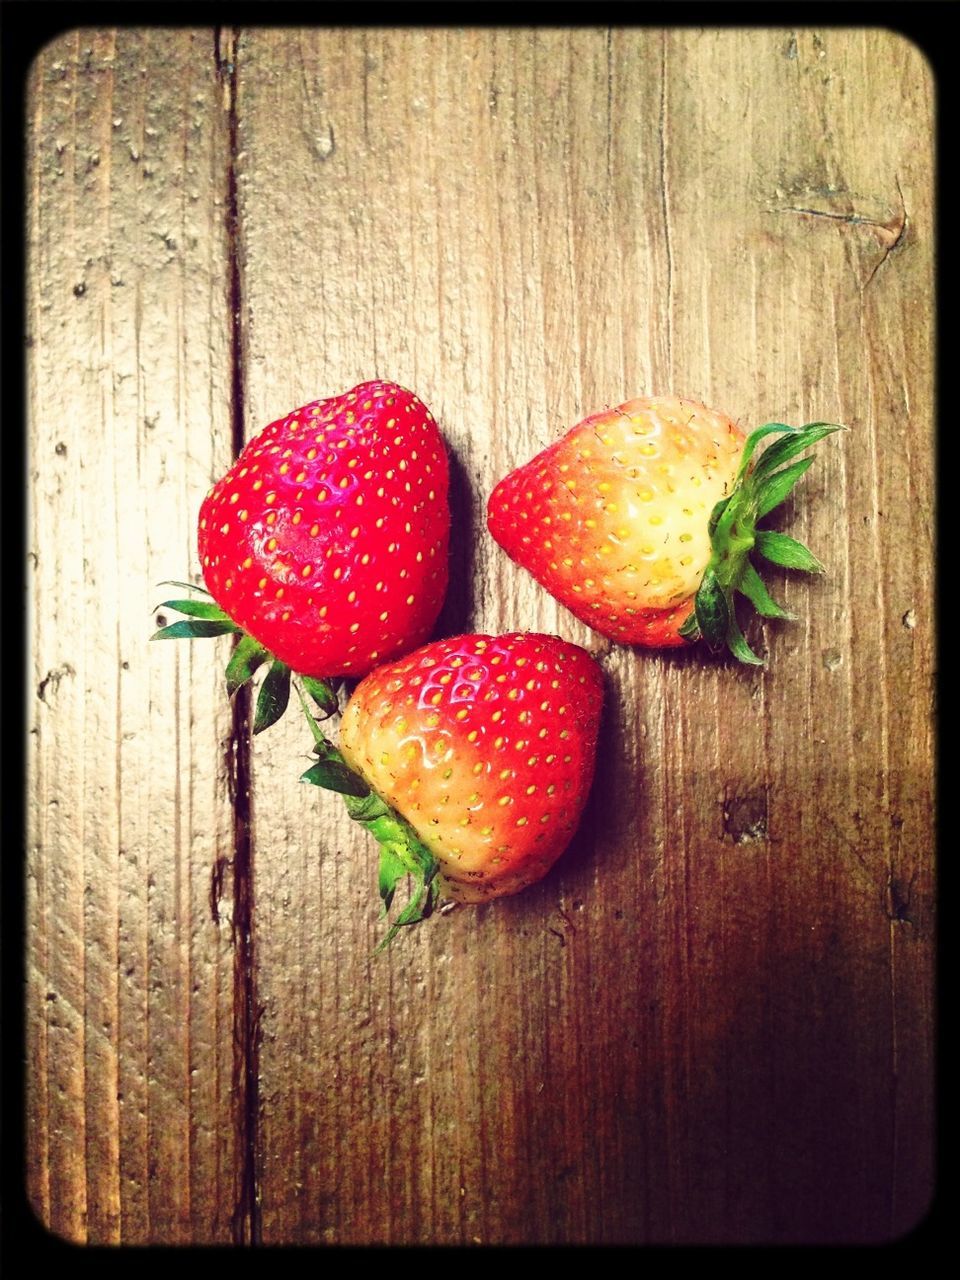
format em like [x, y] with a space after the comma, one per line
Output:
[52, 680]
[216, 888]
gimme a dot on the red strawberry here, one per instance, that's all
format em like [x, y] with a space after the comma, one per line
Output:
[326, 541]
[641, 520]
[485, 746]
[327, 538]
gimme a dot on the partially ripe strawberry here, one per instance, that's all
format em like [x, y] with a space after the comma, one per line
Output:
[476, 754]
[325, 545]
[327, 539]
[641, 520]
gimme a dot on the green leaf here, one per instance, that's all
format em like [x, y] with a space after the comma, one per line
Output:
[780, 549]
[423, 896]
[790, 446]
[715, 515]
[193, 629]
[762, 482]
[775, 488]
[322, 693]
[247, 657]
[273, 696]
[753, 439]
[368, 810]
[691, 628]
[333, 775]
[738, 645]
[712, 610]
[752, 586]
[391, 871]
[187, 586]
[422, 902]
[196, 609]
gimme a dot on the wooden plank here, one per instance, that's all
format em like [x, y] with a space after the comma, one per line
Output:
[130, 976]
[713, 1022]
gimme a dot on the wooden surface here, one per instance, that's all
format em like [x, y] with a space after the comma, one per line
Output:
[714, 1021]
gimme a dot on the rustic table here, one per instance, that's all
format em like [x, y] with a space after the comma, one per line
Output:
[713, 1021]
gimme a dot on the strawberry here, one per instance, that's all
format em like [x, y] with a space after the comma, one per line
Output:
[325, 543]
[470, 760]
[642, 520]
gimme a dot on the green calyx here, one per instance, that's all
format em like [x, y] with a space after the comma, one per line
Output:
[203, 618]
[402, 852]
[761, 485]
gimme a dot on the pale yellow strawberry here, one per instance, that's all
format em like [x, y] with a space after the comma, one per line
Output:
[612, 518]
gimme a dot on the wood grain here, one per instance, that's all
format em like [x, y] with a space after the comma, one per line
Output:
[713, 1022]
[130, 981]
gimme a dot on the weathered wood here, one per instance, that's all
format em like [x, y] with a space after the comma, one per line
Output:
[130, 979]
[523, 226]
[713, 1021]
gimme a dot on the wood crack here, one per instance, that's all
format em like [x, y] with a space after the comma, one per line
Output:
[245, 1220]
[891, 231]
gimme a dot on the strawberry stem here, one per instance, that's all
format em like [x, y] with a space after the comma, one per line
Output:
[206, 618]
[402, 852]
[762, 484]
